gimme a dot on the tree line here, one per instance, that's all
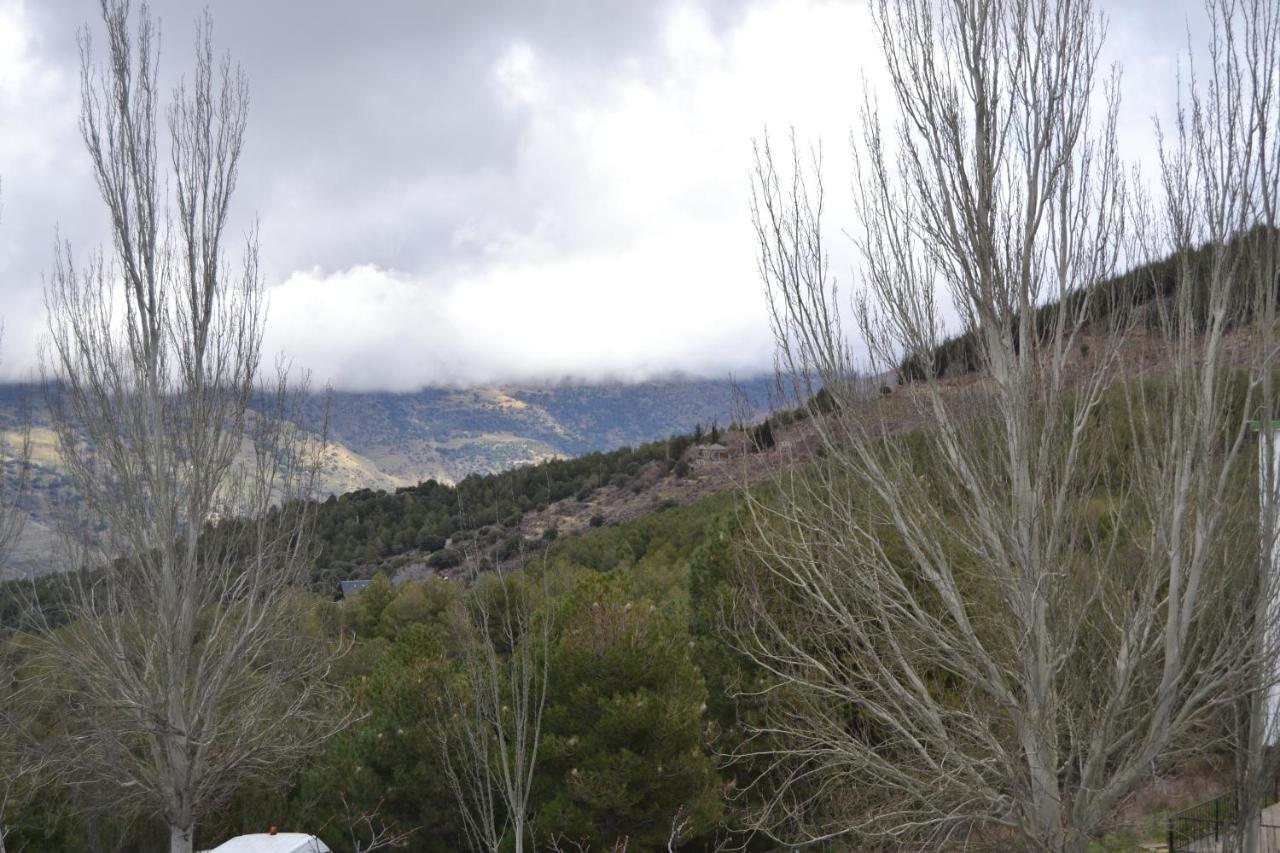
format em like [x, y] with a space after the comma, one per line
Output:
[360, 529]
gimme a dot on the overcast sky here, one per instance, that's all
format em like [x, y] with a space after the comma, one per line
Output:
[455, 192]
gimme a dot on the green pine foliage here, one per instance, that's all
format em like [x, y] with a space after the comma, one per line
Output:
[362, 530]
[390, 759]
[762, 435]
[627, 704]
[623, 750]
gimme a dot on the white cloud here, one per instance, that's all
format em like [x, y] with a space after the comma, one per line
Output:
[36, 102]
[621, 315]
[509, 202]
[640, 258]
[517, 75]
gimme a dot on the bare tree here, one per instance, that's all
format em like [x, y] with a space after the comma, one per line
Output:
[564, 845]
[368, 831]
[994, 603]
[1222, 184]
[491, 728]
[679, 827]
[189, 664]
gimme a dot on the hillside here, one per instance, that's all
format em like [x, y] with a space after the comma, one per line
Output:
[483, 521]
[1131, 296]
[446, 434]
[384, 441]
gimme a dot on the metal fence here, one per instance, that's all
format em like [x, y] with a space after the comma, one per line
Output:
[1209, 827]
[1202, 827]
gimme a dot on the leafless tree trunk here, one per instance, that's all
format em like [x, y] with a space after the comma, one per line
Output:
[491, 730]
[993, 604]
[189, 664]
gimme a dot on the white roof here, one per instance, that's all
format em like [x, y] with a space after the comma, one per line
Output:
[281, 842]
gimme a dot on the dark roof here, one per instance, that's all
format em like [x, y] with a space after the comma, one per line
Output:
[349, 588]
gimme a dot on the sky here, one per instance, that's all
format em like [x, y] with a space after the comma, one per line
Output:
[456, 192]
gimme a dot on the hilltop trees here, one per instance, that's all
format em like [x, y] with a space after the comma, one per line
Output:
[1002, 621]
[989, 608]
[187, 664]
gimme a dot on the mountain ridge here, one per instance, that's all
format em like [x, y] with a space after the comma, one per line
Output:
[382, 441]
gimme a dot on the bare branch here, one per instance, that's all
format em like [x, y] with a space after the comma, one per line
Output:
[998, 600]
[492, 728]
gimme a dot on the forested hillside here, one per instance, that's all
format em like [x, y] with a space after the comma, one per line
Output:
[647, 689]
[633, 712]
[1142, 295]
[488, 519]
[389, 442]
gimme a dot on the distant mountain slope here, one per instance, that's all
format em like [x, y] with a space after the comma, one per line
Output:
[382, 441]
[446, 434]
